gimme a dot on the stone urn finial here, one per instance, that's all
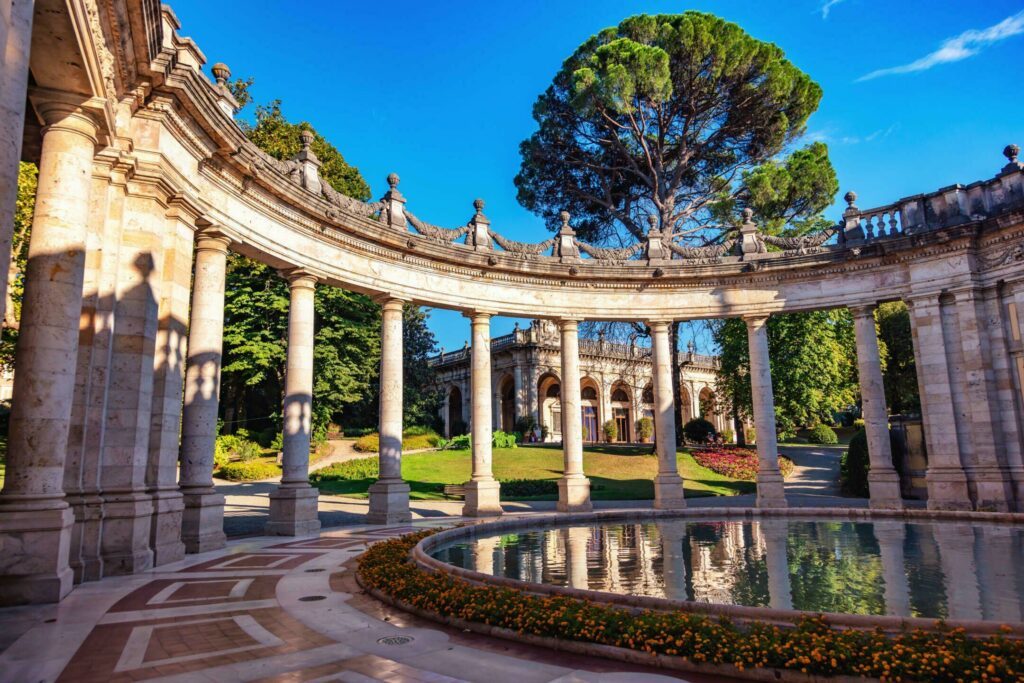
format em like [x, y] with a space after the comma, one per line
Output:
[564, 217]
[393, 180]
[748, 214]
[221, 72]
[478, 204]
[850, 198]
[1011, 152]
[306, 136]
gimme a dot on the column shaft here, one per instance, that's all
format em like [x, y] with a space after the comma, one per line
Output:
[883, 482]
[770, 491]
[573, 487]
[668, 485]
[389, 495]
[202, 525]
[482, 491]
[35, 520]
[293, 505]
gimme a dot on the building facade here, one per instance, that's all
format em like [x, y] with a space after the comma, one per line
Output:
[617, 384]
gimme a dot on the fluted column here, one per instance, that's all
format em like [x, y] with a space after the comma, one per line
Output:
[293, 505]
[573, 487]
[202, 523]
[668, 485]
[389, 495]
[883, 482]
[770, 491]
[482, 491]
[35, 520]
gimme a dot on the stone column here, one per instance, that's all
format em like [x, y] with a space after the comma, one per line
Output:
[202, 522]
[1006, 395]
[293, 505]
[890, 535]
[576, 557]
[389, 495]
[483, 554]
[770, 490]
[673, 571]
[573, 487]
[518, 407]
[668, 485]
[780, 594]
[13, 85]
[959, 570]
[482, 491]
[35, 520]
[947, 481]
[883, 482]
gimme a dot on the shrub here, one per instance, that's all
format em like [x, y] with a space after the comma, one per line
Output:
[750, 433]
[420, 438]
[237, 447]
[645, 428]
[417, 430]
[698, 430]
[369, 443]
[220, 455]
[361, 468]
[249, 470]
[527, 488]
[822, 434]
[854, 466]
[459, 443]
[502, 439]
[278, 442]
[526, 424]
[785, 435]
[859, 423]
[611, 430]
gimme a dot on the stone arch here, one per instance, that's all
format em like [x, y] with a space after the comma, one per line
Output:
[622, 411]
[454, 422]
[590, 409]
[507, 402]
[549, 391]
[686, 404]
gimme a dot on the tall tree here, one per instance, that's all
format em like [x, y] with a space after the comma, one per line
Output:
[684, 117]
[899, 369]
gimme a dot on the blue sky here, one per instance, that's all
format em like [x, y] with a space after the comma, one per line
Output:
[917, 94]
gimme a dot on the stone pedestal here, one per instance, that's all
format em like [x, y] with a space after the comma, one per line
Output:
[35, 520]
[770, 490]
[483, 492]
[293, 506]
[202, 522]
[668, 485]
[573, 487]
[483, 499]
[389, 495]
[574, 494]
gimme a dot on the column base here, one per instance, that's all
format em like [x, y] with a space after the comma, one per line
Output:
[483, 498]
[202, 521]
[574, 494]
[293, 511]
[165, 531]
[389, 502]
[948, 490]
[884, 489]
[668, 492]
[771, 493]
[126, 526]
[34, 548]
[85, 559]
[992, 490]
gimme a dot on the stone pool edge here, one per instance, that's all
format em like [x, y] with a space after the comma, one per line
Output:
[420, 555]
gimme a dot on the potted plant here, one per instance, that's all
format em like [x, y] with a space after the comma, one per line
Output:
[645, 429]
[611, 431]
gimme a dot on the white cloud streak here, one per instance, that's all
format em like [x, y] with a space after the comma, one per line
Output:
[967, 44]
[833, 139]
[827, 6]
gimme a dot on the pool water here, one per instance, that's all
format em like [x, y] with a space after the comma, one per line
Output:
[939, 570]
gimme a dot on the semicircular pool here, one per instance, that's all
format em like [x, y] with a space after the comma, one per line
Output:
[950, 570]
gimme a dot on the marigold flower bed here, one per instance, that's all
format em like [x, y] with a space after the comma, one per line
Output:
[738, 463]
[811, 646]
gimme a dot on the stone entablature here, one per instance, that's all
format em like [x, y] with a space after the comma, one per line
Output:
[526, 362]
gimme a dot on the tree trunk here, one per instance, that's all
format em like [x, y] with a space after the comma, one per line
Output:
[741, 437]
[677, 382]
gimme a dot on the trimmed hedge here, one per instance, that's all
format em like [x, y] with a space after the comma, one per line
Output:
[698, 430]
[350, 470]
[812, 646]
[822, 434]
[249, 470]
[855, 464]
[414, 439]
[527, 488]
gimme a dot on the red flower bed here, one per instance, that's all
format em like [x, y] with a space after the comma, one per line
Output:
[738, 463]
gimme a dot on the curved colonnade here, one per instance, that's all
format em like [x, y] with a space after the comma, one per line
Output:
[143, 168]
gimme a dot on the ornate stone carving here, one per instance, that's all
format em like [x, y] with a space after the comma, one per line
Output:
[804, 244]
[522, 249]
[613, 256]
[435, 232]
[1013, 252]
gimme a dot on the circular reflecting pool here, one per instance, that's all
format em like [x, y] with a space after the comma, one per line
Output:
[947, 570]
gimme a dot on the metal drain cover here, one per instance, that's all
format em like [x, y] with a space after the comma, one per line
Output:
[314, 571]
[395, 640]
[312, 598]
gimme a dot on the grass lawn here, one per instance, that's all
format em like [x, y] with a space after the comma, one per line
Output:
[615, 473]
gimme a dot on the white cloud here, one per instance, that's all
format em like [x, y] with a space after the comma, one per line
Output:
[827, 6]
[967, 44]
[831, 138]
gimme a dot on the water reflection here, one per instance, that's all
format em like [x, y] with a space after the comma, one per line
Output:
[956, 571]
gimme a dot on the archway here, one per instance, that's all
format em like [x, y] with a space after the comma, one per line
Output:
[685, 404]
[507, 391]
[590, 410]
[454, 424]
[549, 388]
[622, 413]
[708, 410]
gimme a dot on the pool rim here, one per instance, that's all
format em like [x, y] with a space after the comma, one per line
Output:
[420, 555]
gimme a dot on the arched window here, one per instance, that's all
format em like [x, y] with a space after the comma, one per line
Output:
[648, 395]
[554, 391]
[589, 394]
[619, 396]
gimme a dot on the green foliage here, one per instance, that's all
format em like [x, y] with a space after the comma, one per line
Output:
[238, 447]
[899, 370]
[854, 466]
[698, 430]
[459, 443]
[813, 366]
[500, 439]
[517, 489]
[526, 424]
[645, 428]
[611, 430]
[350, 470]
[414, 439]
[250, 470]
[823, 434]
[220, 455]
[24, 210]
[659, 115]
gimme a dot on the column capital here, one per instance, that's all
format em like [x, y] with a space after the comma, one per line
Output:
[389, 302]
[756, 321]
[660, 323]
[479, 316]
[211, 238]
[299, 278]
[569, 323]
[66, 115]
[862, 310]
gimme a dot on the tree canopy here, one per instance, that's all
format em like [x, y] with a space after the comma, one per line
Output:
[682, 116]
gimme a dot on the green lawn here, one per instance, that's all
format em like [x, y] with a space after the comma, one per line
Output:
[615, 473]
